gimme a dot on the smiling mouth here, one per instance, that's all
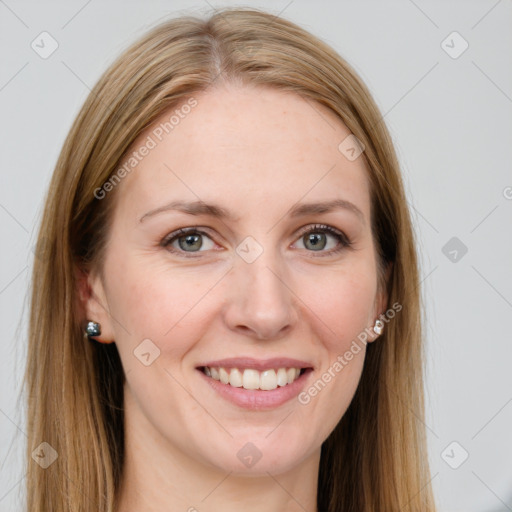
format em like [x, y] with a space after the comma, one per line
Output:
[252, 379]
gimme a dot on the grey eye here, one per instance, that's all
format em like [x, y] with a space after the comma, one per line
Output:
[315, 241]
[193, 241]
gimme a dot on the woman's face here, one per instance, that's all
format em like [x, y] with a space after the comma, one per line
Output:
[257, 276]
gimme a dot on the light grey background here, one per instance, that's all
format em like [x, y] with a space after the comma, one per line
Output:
[451, 119]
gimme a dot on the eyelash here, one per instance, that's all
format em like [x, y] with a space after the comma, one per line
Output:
[344, 241]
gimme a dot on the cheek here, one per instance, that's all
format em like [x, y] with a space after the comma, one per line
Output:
[159, 301]
[343, 301]
[168, 306]
[339, 309]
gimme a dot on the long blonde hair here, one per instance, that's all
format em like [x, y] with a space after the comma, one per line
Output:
[375, 460]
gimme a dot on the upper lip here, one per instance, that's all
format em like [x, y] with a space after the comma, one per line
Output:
[257, 364]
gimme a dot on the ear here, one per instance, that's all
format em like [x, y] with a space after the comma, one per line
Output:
[382, 296]
[381, 300]
[93, 300]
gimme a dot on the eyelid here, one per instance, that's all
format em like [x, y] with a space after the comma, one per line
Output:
[323, 227]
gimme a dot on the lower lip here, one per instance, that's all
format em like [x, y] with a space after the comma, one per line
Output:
[256, 399]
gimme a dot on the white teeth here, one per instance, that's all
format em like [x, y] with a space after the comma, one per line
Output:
[291, 374]
[253, 379]
[268, 380]
[235, 378]
[224, 376]
[282, 377]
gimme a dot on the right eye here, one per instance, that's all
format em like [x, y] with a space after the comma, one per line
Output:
[187, 240]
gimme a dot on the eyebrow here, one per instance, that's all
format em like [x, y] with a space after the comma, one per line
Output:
[213, 210]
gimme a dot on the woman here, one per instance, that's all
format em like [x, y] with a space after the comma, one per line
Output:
[229, 313]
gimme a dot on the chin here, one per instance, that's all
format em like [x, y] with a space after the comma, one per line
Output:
[257, 455]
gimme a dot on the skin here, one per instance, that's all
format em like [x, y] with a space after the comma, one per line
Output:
[256, 152]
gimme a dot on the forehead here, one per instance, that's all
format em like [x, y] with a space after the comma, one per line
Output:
[245, 147]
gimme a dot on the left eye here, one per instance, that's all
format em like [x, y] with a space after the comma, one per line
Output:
[316, 238]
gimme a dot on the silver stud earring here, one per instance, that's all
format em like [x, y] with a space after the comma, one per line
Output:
[92, 329]
[378, 327]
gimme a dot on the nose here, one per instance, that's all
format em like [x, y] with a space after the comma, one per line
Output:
[260, 302]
